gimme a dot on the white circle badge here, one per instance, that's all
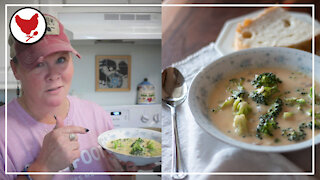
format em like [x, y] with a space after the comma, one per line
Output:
[28, 25]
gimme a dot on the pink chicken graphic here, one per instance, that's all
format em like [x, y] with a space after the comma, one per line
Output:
[27, 25]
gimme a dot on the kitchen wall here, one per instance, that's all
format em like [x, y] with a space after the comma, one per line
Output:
[11, 95]
[145, 62]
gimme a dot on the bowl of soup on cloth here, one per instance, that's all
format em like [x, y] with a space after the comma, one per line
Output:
[259, 99]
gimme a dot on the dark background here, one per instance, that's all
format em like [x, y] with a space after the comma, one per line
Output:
[188, 29]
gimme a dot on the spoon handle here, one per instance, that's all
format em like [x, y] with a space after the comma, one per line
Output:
[177, 161]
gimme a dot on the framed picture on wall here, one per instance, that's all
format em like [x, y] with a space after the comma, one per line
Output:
[113, 73]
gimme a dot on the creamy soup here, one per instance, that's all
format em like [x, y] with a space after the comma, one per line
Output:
[293, 91]
[135, 147]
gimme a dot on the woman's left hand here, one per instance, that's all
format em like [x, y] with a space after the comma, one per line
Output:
[115, 165]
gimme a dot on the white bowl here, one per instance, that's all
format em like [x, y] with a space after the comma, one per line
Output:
[130, 133]
[205, 80]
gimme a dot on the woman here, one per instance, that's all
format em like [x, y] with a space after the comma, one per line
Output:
[49, 131]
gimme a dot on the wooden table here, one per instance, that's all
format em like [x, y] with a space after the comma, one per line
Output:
[188, 29]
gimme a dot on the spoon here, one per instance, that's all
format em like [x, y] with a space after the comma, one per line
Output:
[174, 93]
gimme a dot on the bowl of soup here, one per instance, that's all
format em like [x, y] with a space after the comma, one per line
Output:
[140, 146]
[259, 99]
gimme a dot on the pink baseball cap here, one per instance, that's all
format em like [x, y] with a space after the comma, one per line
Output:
[55, 40]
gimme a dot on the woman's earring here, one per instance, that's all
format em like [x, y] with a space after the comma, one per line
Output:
[18, 89]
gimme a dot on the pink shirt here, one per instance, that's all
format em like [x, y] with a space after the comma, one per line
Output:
[25, 136]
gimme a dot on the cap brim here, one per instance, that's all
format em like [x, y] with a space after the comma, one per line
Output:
[43, 49]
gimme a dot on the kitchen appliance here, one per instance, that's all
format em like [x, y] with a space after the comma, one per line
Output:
[112, 25]
[146, 116]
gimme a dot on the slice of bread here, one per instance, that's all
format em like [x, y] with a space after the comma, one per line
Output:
[275, 27]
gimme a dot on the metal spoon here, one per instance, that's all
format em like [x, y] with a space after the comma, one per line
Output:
[174, 92]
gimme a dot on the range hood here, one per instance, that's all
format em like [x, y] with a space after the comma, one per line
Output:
[111, 26]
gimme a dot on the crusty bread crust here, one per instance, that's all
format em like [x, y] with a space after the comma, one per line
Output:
[242, 32]
[247, 22]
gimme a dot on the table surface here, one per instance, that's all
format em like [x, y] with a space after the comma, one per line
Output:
[188, 29]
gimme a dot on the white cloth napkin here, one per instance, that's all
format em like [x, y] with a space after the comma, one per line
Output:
[204, 153]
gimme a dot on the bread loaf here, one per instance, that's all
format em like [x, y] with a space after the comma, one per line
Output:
[275, 27]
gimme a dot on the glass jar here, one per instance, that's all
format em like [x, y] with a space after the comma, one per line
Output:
[146, 92]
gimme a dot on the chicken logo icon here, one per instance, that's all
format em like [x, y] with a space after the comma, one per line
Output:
[28, 25]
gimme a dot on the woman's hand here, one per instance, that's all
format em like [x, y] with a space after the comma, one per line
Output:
[58, 150]
[115, 165]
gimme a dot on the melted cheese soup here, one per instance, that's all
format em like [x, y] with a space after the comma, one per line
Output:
[135, 147]
[239, 118]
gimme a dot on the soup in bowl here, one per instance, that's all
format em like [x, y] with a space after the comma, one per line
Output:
[135, 146]
[258, 99]
[138, 145]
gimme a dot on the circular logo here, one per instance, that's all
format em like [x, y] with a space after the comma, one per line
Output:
[28, 25]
